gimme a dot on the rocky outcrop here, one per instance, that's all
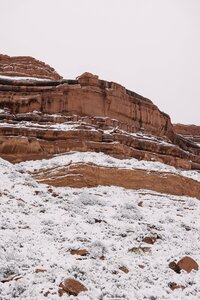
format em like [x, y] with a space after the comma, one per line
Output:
[26, 66]
[39, 119]
[187, 130]
[37, 136]
[191, 132]
[90, 175]
[86, 96]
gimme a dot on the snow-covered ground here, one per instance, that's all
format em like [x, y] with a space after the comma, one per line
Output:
[104, 160]
[39, 225]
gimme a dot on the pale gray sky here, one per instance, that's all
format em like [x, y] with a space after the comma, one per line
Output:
[150, 46]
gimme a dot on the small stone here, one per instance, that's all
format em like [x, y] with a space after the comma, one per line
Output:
[40, 270]
[102, 257]
[99, 221]
[149, 240]
[54, 194]
[140, 204]
[141, 266]
[173, 265]
[124, 269]
[188, 264]
[187, 228]
[71, 287]
[47, 293]
[81, 252]
[173, 286]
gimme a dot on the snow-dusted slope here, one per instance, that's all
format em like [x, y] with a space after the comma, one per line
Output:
[39, 226]
[104, 160]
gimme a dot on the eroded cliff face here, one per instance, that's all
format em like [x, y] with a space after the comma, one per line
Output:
[191, 132]
[86, 96]
[40, 118]
[26, 66]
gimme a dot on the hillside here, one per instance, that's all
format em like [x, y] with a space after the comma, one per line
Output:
[99, 193]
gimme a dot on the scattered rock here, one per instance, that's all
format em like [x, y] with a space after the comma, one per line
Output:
[149, 240]
[81, 252]
[102, 257]
[40, 270]
[141, 266]
[47, 293]
[188, 264]
[71, 287]
[99, 221]
[187, 228]
[37, 192]
[174, 266]
[54, 194]
[124, 269]
[173, 286]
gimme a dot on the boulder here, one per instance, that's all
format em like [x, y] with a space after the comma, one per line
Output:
[188, 264]
[71, 287]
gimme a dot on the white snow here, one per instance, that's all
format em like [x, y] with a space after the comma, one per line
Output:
[27, 124]
[104, 160]
[38, 228]
[22, 78]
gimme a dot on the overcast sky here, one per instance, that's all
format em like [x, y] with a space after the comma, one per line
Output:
[150, 46]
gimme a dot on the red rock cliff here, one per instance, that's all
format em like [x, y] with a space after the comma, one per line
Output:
[87, 96]
[26, 66]
[36, 117]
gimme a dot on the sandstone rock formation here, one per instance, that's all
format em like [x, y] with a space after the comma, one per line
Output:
[87, 96]
[36, 136]
[26, 66]
[89, 175]
[39, 119]
[191, 132]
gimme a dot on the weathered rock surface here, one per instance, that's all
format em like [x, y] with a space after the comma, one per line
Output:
[188, 264]
[71, 287]
[187, 130]
[39, 119]
[36, 136]
[89, 175]
[191, 132]
[26, 66]
[86, 96]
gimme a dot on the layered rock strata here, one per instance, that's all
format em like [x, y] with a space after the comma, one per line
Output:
[40, 118]
[86, 96]
[90, 175]
[36, 136]
[26, 66]
[191, 132]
